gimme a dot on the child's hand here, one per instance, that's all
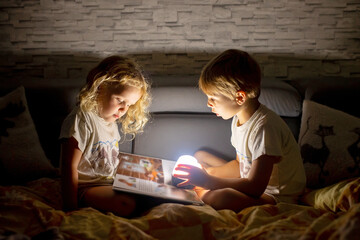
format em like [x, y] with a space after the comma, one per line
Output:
[192, 175]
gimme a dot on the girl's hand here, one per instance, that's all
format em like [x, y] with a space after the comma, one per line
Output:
[192, 175]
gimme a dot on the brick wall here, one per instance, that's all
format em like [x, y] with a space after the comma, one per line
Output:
[291, 39]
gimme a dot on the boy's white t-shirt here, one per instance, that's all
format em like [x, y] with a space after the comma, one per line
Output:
[99, 142]
[266, 133]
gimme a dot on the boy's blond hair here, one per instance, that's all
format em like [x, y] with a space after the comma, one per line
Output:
[229, 72]
[116, 72]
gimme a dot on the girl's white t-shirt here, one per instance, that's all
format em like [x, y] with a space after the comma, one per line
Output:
[99, 142]
[266, 133]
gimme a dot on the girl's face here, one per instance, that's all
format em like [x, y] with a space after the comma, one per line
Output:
[113, 104]
[223, 106]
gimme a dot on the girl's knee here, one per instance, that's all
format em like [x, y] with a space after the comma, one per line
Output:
[125, 206]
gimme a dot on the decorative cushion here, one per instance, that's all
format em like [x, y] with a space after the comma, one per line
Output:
[21, 155]
[329, 143]
[337, 197]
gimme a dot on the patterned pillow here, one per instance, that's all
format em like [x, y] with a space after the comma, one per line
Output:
[21, 155]
[329, 142]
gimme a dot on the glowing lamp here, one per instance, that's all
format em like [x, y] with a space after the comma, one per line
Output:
[186, 159]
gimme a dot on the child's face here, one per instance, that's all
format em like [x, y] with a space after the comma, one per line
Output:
[223, 106]
[114, 104]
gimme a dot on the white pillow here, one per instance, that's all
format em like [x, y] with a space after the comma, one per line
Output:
[279, 96]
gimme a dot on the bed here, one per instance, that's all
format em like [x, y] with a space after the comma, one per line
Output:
[30, 191]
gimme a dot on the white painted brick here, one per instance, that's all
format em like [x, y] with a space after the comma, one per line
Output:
[317, 2]
[326, 21]
[24, 15]
[40, 37]
[191, 29]
[56, 45]
[265, 22]
[331, 67]
[83, 45]
[303, 44]
[325, 11]
[347, 23]
[68, 37]
[46, 3]
[5, 39]
[105, 13]
[245, 22]
[152, 36]
[97, 35]
[86, 23]
[104, 22]
[319, 34]
[238, 35]
[123, 24]
[112, 4]
[64, 23]
[197, 46]
[165, 15]
[125, 36]
[255, 43]
[4, 16]
[287, 21]
[264, 35]
[34, 45]
[90, 3]
[239, 13]
[307, 21]
[289, 35]
[221, 12]
[275, 70]
[352, 34]
[18, 36]
[229, 2]
[335, 4]
[137, 15]
[324, 44]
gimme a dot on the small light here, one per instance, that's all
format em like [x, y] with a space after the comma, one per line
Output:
[186, 159]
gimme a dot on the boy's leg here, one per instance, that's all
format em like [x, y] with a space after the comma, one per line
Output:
[229, 198]
[217, 166]
[207, 159]
[105, 199]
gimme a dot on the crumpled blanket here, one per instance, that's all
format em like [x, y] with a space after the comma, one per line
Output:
[36, 208]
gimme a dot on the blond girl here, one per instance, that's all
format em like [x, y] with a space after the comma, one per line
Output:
[116, 93]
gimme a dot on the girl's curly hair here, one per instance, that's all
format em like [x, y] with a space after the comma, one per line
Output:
[115, 72]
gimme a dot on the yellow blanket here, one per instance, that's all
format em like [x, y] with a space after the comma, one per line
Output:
[34, 209]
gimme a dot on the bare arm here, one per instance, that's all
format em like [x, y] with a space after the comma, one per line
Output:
[70, 158]
[254, 185]
[228, 170]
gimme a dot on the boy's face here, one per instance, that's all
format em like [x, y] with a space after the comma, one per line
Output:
[223, 106]
[114, 104]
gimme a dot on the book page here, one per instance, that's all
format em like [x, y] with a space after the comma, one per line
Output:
[141, 167]
[150, 176]
[168, 167]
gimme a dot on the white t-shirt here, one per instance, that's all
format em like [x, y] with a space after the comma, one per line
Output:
[99, 142]
[266, 133]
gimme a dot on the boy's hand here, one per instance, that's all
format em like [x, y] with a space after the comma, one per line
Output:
[192, 175]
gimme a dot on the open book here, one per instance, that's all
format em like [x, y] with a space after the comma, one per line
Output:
[151, 176]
